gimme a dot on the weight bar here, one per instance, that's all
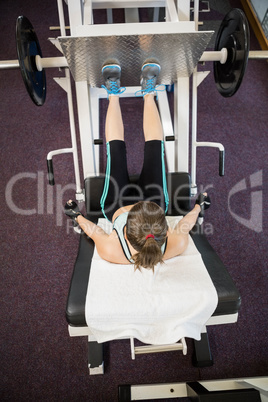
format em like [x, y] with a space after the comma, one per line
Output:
[231, 52]
[30, 61]
[221, 55]
[230, 56]
[61, 62]
[39, 63]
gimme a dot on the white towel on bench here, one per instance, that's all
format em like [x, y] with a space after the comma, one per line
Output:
[157, 308]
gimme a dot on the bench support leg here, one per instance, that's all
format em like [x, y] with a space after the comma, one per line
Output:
[95, 358]
[202, 356]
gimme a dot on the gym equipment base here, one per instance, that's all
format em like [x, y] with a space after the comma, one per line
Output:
[229, 390]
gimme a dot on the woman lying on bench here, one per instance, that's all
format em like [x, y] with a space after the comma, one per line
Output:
[140, 233]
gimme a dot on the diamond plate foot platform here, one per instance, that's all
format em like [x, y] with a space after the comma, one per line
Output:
[177, 53]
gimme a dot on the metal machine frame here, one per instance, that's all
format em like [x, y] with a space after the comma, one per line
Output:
[238, 389]
[180, 20]
[176, 133]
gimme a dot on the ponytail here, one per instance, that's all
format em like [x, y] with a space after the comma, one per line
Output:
[146, 231]
[149, 256]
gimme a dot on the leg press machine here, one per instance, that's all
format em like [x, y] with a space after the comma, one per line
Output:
[178, 46]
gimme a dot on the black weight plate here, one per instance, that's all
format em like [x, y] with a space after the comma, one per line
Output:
[233, 34]
[27, 48]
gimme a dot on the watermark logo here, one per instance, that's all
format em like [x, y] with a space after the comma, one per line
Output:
[45, 199]
[254, 222]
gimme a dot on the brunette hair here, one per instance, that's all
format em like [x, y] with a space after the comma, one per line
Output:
[146, 218]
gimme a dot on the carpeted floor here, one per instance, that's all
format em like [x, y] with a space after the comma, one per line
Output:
[39, 361]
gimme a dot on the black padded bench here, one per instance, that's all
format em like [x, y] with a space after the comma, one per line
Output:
[228, 296]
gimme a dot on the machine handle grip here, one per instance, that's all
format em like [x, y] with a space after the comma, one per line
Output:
[221, 163]
[50, 172]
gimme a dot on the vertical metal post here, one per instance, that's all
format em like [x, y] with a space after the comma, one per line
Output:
[183, 7]
[70, 108]
[194, 132]
[76, 16]
[85, 127]
[75, 9]
[95, 120]
[167, 129]
[181, 105]
[181, 123]
[156, 14]
[196, 13]
[88, 12]
[171, 11]
[73, 134]
[61, 18]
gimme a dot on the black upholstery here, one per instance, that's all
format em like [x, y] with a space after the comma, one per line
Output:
[228, 295]
[75, 309]
[178, 189]
[179, 192]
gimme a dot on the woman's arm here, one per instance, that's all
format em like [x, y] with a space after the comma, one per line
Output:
[91, 229]
[188, 221]
[108, 246]
[178, 237]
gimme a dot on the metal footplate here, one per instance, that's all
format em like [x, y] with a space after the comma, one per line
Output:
[172, 45]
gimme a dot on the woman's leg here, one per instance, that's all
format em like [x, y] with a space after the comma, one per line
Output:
[114, 128]
[153, 176]
[116, 177]
[152, 125]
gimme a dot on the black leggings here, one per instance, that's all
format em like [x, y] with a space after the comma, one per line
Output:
[118, 191]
